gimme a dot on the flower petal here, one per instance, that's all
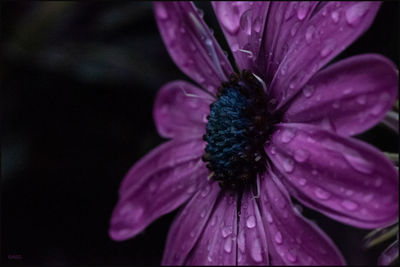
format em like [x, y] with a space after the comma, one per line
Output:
[157, 184]
[328, 32]
[343, 178]
[390, 254]
[189, 225]
[191, 44]
[347, 97]
[181, 110]
[252, 243]
[217, 243]
[292, 239]
[284, 21]
[243, 25]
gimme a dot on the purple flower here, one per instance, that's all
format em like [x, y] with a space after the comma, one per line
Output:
[279, 127]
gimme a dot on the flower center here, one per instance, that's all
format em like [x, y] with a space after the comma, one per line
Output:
[237, 129]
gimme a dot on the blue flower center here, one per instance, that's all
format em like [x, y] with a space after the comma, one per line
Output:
[236, 132]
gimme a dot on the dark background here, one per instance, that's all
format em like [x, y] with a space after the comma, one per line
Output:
[78, 85]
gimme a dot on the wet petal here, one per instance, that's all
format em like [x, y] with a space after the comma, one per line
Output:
[181, 110]
[283, 24]
[252, 243]
[243, 25]
[217, 243]
[343, 178]
[347, 97]
[157, 184]
[189, 225]
[292, 240]
[191, 44]
[328, 32]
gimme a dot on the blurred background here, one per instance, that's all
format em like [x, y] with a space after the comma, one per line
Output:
[78, 81]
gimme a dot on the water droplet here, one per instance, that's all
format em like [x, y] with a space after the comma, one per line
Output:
[131, 212]
[368, 197]
[378, 182]
[336, 104]
[288, 165]
[257, 24]
[349, 192]
[322, 194]
[205, 191]
[301, 155]
[302, 10]
[273, 150]
[356, 12]
[362, 99]
[229, 12]
[203, 214]
[349, 205]
[235, 47]
[209, 259]
[327, 49]
[347, 91]
[213, 220]
[251, 222]
[287, 135]
[269, 218]
[161, 12]
[255, 251]
[227, 230]
[283, 69]
[302, 181]
[192, 234]
[335, 16]
[310, 33]
[292, 85]
[278, 237]
[245, 21]
[291, 256]
[228, 245]
[308, 91]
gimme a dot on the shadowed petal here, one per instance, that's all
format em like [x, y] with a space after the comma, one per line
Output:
[243, 26]
[328, 32]
[217, 243]
[390, 254]
[252, 243]
[391, 120]
[283, 24]
[347, 97]
[341, 177]
[157, 184]
[191, 44]
[181, 110]
[292, 240]
[189, 225]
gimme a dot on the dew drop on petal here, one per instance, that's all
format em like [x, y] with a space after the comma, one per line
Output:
[245, 21]
[251, 222]
[301, 155]
[228, 12]
[241, 242]
[278, 237]
[228, 245]
[349, 205]
[302, 10]
[368, 197]
[356, 12]
[310, 33]
[269, 218]
[335, 16]
[288, 165]
[257, 24]
[322, 194]
[227, 230]
[161, 12]
[291, 256]
[255, 251]
[328, 48]
[205, 191]
[287, 135]
[362, 99]
[302, 181]
[336, 104]
[308, 91]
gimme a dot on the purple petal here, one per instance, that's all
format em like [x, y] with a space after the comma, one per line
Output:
[391, 120]
[292, 239]
[390, 254]
[191, 44]
[341, 177]
[284, 22]
[328, 32]
[347, 97]
[243, 25]
[252, 243]
[181, 110]
[157, 184]
[189, 225]
[217, 243]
